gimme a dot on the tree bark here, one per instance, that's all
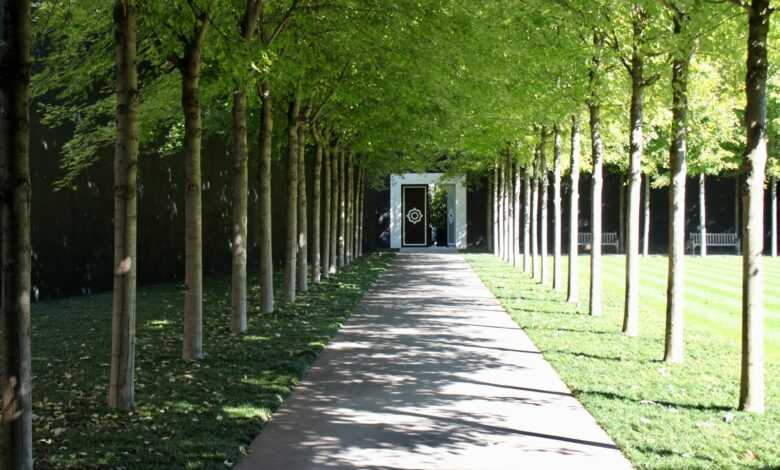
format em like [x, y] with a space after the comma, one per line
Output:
[557, 264]
[316, 205]
[121, 390]
[636, 148]
[342, 210]
[597, 150]
[646, 236]
[16, 367]
[302, 269]
[527, 263]
[574, 215]
[751, 396]
[291, 252]
[673, 347]
[326, 205]
[265, 221]
[703, 213]
[544, 199]
[773, 199]
[192, 347]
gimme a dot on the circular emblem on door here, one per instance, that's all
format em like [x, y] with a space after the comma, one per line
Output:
[414, 216]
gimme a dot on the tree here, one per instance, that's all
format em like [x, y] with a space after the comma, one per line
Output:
[557, 268]
[264, 204]
[302, 258]
[544, 200]
[240, 183]
[324, 144]
[678, 165]
[751, 396]
[316, 209]
[16, 443]
[527, 262]
[121, 390]
[291, 253]
[574, 198]
[597, 151]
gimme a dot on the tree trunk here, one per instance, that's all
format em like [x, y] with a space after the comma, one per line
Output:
[502, 207]
[751, 396]
[597, 150]
[773, 199]
[737, 196]
[265, 214]
[673, 348]
[527, 266]
[517, 202]
[121, 390]
[316, 213]
[496, 212]
[291, 252]
[359, 215]
[349, 196]
[703, 213]
[510, 197]
[544, 199]
[574, 202]
[358, 212]
[302, 269]
[239, 213]
[334, 211]
[326, 205]
[622, 215]
[240, 187]
[15, 369]
[646, 236]
[489, 214]
[557, 265]
[636, 148]
[342, 210]
[192, 348]
[535, 218]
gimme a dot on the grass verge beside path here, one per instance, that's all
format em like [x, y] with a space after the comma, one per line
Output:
[189, 415]
[661, 416]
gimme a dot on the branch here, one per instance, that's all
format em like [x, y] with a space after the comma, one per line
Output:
[282, 24]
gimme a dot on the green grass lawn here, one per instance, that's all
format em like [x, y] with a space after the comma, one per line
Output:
[189, 415]
[661, 416]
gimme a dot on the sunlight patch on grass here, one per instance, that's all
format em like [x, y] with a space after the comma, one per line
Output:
[661, 416]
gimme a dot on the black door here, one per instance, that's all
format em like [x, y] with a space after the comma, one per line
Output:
[415, 209]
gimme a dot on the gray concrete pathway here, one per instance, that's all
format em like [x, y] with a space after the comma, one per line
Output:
[431, 373]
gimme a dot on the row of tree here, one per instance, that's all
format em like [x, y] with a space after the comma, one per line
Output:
[137, 50]
[390, 87]
[514, 175]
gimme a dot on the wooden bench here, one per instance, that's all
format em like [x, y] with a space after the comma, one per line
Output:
[714, 239]
[607, 239]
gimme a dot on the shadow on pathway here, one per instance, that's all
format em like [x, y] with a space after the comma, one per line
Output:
[430, 373]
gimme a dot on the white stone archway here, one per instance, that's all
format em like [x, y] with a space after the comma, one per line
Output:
[397, 182]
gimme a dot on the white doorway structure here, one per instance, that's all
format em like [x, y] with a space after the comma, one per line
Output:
[409, 215]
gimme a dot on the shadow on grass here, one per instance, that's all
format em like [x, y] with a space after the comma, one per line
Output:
[668, 404]
[189, 414]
